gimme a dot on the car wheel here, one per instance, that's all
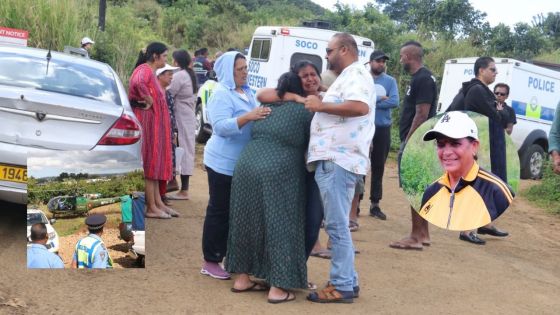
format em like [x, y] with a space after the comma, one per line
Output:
[532, 162]
[200, 135]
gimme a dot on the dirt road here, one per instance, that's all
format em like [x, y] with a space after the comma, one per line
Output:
[516, 275]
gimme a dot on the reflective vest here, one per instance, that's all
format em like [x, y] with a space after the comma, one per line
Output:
[206, 90]
[533, 109]
[85, 251]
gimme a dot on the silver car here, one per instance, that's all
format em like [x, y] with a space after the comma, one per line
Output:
[54, 101]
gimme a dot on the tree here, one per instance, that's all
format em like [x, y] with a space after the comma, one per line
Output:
[529, 41]
[446, 18]
[63, 176]
[502, 41]
[549, 25]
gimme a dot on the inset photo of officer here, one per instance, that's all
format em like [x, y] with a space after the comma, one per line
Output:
[446, 173]
[85, 210]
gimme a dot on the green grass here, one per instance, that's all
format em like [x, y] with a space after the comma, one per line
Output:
[547, 193]
[70, 224]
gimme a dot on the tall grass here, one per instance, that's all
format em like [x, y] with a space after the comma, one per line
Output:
[51, 23]
[547, 193]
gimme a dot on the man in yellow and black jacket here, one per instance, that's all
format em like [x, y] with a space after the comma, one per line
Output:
[477, 199]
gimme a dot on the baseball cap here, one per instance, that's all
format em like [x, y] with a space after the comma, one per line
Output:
[165, 68]
[96, 221]
[455, 125]
[378, 54]
[87, 40]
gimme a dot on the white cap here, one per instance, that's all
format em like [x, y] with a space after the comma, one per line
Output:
[87, 40]
[167, 67]
[454, 125]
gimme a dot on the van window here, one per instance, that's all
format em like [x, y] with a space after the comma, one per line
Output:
[316, 60]
[260, 49]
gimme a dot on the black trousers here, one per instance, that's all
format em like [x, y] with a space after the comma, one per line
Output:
[216, 222]
[498, 162]
[380, 150]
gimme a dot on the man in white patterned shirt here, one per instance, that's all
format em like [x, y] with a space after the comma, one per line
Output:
[341, 133]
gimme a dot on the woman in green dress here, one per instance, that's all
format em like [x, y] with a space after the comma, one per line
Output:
[267, 208]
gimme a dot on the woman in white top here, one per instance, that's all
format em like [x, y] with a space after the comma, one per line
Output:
[184, 88]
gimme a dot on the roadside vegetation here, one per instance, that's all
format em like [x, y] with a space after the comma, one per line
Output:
[547, 193]
[40, 193]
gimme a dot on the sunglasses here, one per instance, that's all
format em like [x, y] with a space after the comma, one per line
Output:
[330, 50]
[493, 69]
[500, 94]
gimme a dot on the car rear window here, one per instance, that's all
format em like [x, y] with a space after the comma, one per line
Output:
[60, 77]
[33, 218]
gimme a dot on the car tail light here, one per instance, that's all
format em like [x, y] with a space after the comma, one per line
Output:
[124, 131]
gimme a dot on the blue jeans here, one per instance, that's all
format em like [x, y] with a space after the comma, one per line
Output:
[337, 187]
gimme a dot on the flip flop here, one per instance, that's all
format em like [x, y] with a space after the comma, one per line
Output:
[399, 245]
[172, 212]
[161, 216]
[323, 253]
[286, 299]
[256, 287]
[175, 197]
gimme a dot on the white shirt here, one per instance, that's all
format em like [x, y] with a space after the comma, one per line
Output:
[345, 140]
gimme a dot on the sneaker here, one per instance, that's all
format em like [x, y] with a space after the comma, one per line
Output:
[214, 270]
[376, 212]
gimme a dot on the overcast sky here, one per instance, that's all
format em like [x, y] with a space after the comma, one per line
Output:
[505, 11]
[52, 163]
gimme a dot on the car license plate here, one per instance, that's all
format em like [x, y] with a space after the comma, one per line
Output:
[13, 173]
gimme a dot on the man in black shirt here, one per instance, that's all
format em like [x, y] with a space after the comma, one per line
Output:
[501, 90]
[419, 105]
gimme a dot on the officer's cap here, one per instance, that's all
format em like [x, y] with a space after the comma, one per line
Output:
[96, 221]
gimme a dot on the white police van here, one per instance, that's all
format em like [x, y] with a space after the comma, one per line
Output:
[534, 95]
[275, 49]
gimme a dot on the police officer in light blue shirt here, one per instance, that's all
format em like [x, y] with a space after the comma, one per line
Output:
[90, 252]
[37, 254]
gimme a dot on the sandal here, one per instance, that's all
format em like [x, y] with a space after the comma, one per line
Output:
[163, 215]
[289, 297]
[353, 225]
[323, 253]
[331, 295]
[166, 201]
[255, 287]
[172, 212]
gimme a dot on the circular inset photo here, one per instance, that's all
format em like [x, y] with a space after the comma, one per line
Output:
[446, 171]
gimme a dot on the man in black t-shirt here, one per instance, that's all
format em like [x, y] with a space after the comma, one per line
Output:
[501, 90]
[418, 106]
